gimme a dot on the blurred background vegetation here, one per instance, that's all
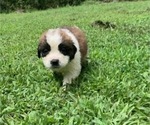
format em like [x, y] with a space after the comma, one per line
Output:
[24, 5]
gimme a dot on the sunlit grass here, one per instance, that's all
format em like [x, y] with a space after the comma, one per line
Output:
[113, 88]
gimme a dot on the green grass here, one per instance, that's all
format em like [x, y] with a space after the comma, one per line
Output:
[113, 89]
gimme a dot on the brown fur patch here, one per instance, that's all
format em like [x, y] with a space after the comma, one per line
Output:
[68, 44]
[43, 37]
[66, 38]
[80, 36]
[42, 42]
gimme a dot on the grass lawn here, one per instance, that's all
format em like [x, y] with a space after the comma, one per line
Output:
[114, 87]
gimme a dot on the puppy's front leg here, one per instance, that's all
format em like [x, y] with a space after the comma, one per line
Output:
[67, 80]
[70, 76]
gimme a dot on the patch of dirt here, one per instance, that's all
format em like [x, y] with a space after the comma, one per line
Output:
[99, 23]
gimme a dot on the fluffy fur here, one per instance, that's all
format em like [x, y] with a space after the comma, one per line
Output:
[63, 50]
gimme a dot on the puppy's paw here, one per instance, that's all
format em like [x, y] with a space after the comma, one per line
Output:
[64, 88]
[67, 81]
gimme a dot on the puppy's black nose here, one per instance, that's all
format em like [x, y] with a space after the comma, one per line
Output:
[55, 62]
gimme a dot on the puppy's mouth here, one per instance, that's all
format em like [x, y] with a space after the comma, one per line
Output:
[55, 67]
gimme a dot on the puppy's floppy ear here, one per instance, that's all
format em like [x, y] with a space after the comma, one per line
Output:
[41, 41]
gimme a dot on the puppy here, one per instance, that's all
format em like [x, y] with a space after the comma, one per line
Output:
[63, 50]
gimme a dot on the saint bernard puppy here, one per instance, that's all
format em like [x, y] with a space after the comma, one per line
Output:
[63, 50]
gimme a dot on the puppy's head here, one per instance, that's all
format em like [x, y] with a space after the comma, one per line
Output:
[56, 48]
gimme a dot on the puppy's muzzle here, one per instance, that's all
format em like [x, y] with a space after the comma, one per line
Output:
[55, 63]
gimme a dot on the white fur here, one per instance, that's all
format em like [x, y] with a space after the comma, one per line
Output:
[70, 70]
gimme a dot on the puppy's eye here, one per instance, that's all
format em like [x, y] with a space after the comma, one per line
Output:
[44, 52]
[64, 50]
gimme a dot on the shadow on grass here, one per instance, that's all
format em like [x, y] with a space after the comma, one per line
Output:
[86, 69]
[84, 77]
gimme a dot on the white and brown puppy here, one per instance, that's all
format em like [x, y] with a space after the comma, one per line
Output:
[63, 50]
